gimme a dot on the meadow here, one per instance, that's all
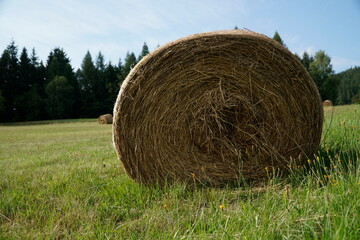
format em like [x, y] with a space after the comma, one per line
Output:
[62, 180]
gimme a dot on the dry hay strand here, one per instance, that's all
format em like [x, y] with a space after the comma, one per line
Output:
[215, 107]
[105, 119]
[327, 103]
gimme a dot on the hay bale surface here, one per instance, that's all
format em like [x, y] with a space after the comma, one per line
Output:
[327, 103]
[105, 119]
[216, 106]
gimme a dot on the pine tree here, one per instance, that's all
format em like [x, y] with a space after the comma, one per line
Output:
[100, 62]
[349, 86]
[87, 78]
[60, 102]
[101, 100]
[41, 79]
[38, 72]
[36, 96]
[119, 75]
[9, 73]
[23, 87]
[58, 64]
[144, 52]
[34, 58]
[2, 104]
[130, 62]
[87, 74]
[35, 105]
[306, 60]
[120, 70]
[25, 71]
[112, 85]
[277, 38]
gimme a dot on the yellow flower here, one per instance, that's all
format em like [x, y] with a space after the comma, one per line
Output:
[222, 206]
[266, 168]
[325, 176]
[165, 206]
[309, 161]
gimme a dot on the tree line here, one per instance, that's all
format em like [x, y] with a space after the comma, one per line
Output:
[31, 90]
[342, 88]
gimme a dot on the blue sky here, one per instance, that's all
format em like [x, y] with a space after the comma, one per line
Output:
[115, 27]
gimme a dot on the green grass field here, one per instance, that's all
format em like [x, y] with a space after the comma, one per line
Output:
[62, 180]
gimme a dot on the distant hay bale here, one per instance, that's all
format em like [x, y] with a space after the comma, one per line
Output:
[327, 103]
[214, 107]
[105, 119]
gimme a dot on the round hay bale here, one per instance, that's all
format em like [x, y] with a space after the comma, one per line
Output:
[215, 107]
[327, 103]
[105, 119]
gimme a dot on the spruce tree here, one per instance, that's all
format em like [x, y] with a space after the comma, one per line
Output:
[144, 52]
[2, 104]
[349, 86]
[58, 64]
[37, 95]
[23, 87]
[119, 75]
[101, 100]
[130, 62]
[9, 74]
[306, 60]
[25, 71]
[87, 78]
[112, 85]
[60, 102]
[277, 38]
[87, 74]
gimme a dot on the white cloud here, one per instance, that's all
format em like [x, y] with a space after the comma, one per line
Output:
[341, 63]
[115, 27]
[309, 49]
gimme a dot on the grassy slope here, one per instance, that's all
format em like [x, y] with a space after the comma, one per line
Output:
[64, 181]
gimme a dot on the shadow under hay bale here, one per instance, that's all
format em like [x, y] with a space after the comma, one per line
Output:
[105, 119]
[214, 107]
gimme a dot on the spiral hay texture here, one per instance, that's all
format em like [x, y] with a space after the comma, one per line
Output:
[215, 107]
[105, 119]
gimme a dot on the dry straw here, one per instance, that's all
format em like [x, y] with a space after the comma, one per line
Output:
[105, 119]
[327, 103]
[214, 107]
